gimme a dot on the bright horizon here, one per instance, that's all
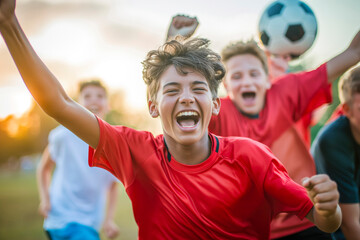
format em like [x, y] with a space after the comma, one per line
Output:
[110, 38]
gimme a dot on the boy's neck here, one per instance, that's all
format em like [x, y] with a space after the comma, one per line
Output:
[252, 116]
[189, 154]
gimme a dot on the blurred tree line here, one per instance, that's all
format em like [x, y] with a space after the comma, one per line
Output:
[28, 134]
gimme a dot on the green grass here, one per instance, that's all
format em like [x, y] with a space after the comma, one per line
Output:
[19, 218]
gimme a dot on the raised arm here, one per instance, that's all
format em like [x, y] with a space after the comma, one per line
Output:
[342, 62]
[43, 177]
[42, 84]
[182, 25]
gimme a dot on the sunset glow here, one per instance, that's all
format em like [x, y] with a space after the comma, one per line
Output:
[109, 39]
[14, 101]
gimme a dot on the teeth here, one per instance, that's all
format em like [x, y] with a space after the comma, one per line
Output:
[187, 113]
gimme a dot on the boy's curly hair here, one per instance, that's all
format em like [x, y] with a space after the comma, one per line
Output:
[245, 47]
[193, 54]
[349, 84]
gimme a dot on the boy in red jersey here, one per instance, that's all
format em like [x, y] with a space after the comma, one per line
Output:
[267, 111]
[186, 183]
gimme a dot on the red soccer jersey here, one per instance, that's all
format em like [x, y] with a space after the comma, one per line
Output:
[232, 195]
[290, 98]
[303, 125]
[286, 101]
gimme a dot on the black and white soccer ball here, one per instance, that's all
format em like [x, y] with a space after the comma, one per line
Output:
[287, 27]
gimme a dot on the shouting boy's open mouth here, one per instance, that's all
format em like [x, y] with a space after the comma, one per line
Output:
[187, 119]
[249, 97]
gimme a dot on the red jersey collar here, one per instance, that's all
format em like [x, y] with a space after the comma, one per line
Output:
[215, 146]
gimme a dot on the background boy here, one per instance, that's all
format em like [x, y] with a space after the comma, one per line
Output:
[263, 111]
[72, 200]
[185, 183]
[336, 152]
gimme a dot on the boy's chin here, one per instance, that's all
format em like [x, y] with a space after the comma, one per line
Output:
[250, 110]
[189, 140]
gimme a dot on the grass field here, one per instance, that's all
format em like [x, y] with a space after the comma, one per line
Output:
[18, 210]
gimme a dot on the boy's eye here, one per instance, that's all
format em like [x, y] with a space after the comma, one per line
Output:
[199, 89]
[236, 76]
[171, 91]
[254, 73]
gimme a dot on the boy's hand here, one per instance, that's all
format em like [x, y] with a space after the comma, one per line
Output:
[182, 25]
[111, 229]
[44, 207]
[7, 10]
[323, 193]
[278, 65]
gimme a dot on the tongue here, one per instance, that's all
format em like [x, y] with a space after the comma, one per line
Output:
[249, 99]
[187, 123]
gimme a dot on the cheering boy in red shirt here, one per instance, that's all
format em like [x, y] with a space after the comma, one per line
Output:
[254, 108]
[186, 183]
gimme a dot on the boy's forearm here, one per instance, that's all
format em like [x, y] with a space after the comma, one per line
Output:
[110, 228]
[43, 177]
[43, 174]
[43, 186]
[345, 60]
[351, 231]
[350, 225]
[341, 63]
[112, 199]
[327, 223]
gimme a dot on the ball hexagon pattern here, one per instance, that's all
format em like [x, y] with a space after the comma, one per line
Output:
[287, 27]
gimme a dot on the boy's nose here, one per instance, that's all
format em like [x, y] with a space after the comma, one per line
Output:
[246, 80]
[186, 98]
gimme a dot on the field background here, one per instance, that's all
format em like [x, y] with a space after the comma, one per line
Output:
[19, 201]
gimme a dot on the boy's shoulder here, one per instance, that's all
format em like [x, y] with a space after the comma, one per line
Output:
[133, 137]
[338, 130]
[243, 147]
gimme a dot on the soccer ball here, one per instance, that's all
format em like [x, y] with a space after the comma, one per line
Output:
[287, 27]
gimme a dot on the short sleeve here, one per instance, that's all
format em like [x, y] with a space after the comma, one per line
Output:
[121, 150]
[334, 155]
[285, 194]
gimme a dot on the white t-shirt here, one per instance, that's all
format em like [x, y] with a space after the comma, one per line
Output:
[78, 192]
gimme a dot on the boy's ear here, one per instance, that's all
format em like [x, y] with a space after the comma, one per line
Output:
[216, 106]
[346, 109]
[153, 109]
[268, 83]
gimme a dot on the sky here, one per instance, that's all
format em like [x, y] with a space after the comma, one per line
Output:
[79, 39]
